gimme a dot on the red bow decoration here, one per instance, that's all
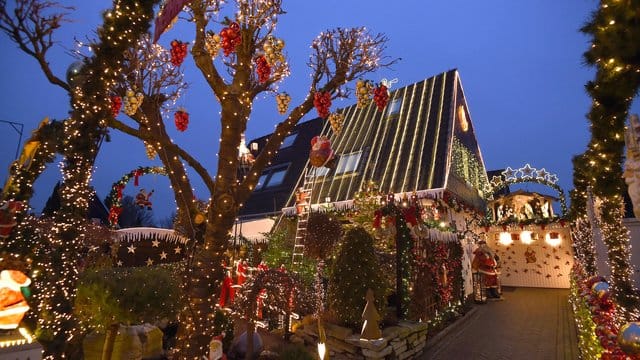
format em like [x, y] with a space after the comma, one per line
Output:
[114, 213]
[377, 219]
[136, 176]
[410, 216]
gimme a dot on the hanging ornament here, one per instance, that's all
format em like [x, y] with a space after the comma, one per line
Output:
[322, 102]
[213, 43]
[381, 96]
[363, 93]
[181, 118]
[273, 50]
[231, 38]
[132, 102]
[116, 105]
[336, 120]
[629, 338]
[282, 100]
[263, 69]
[143, 199]
[178, 52]
[321, 152]
[150, 150]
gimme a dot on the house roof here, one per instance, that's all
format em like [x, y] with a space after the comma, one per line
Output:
[409, 145]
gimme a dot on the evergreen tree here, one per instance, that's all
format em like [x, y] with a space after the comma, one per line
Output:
[355, 270]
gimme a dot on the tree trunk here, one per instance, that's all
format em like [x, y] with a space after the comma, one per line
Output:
[616, 236]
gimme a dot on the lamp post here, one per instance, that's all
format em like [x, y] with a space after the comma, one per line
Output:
[18, 127]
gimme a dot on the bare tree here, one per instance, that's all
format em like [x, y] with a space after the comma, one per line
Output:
[338, 57]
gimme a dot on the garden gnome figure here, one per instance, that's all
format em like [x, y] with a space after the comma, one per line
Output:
[370, 328]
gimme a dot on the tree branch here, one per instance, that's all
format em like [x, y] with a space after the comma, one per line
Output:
[148, 136]
[31, 26]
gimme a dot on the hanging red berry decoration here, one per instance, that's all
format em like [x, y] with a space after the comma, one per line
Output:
[178, 52]
[231, 38]
[322, 102]
[381, 96]
[181, 118]
[116, 105]
[263, 69]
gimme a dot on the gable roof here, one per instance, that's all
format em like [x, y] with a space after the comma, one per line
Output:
[409, 145]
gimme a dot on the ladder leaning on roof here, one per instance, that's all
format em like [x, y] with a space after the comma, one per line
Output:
[303, 209]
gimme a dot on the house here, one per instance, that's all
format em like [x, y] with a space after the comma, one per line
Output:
[423, 141]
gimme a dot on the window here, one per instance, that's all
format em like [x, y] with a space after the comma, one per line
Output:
[276, 177]
[394, 107]
[348, 163]
[289, 140]
[261, 181]
[272, 177]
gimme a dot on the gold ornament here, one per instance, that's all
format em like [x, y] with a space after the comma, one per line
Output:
[213, 43]
[199, 218]
[336, 120]
[132, 102]
[363, 93]
[272, 48]
[283, 100]
[150, 150]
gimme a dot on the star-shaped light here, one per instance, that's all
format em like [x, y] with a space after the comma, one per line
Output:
[553, 178]
[131, 249]
[149, 262]
[509, 173]
[163, 256]
[177, 250]
[155, 243]
[119, 263]
[542, 174]
[527, 171]
[496, 180]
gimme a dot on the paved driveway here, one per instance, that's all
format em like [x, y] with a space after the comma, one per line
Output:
[531, 323]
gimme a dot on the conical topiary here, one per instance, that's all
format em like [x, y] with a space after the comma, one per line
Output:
[355, 270]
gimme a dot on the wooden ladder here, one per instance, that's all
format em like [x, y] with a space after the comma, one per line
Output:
[309, 177]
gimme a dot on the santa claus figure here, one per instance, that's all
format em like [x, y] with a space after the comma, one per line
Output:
[485, 262]
[241, 272]
[143, 199]
[321, 153]
[13, 306]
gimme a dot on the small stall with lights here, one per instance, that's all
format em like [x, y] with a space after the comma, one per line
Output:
[533, 244]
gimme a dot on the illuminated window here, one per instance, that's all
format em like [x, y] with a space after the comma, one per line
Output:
[393, 107]
[289, 140]
[348, 163]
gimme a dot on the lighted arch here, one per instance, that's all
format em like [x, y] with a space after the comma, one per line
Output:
[115, 196]
[527, 174]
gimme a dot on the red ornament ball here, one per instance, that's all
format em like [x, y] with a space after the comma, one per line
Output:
[116, 105]
[263, 69]
[381, 97]
[178, 52]
[181, 119]
[322, 103]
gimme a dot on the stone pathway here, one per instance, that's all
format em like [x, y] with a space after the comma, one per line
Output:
[531, 323]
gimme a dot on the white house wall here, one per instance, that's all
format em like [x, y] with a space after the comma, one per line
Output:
[537, 264]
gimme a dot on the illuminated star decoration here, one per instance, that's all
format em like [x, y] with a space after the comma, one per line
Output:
[155, 243]
[496, 181]
[131, 249]
[119, 263]
[163, 256]
[149, 262]
[509, 173]
[527, 172]
[553, 178]
[542, 174]
[177, 250]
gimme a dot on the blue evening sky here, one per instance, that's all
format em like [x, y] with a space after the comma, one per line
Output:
[520, 63]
